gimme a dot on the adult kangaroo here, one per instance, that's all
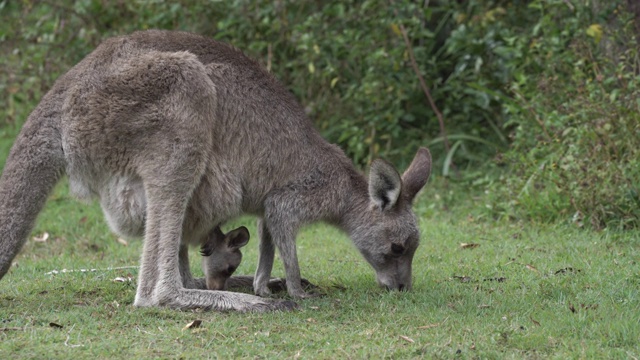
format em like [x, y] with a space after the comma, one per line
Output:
[175, 133]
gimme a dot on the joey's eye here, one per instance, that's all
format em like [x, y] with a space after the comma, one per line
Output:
[397, 249]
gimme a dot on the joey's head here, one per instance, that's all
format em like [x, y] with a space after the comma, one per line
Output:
[221, 255]
[387, 232]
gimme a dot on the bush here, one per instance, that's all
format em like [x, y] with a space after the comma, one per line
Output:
[575, 151]
[548, 88]
[345, 60]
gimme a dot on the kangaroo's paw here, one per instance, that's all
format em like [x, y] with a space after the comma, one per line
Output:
[264, 292]
[301, 294]
[280, 285]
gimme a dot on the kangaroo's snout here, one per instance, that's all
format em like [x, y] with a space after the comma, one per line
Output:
[392, 284]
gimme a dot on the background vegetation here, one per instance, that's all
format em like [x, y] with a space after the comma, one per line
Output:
[538, 99]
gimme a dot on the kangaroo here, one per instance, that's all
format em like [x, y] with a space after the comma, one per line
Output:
[196, 133]
[221, 256]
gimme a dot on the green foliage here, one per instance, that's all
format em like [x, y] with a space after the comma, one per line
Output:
[546, 87]
[575, 120]
[346, 61]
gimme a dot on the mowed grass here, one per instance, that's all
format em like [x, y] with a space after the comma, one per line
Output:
[526, 291]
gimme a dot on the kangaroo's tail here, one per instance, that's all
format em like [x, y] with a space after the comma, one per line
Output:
[34, 166]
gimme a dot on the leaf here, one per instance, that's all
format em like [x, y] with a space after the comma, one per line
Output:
[567, 270]
[463, 279]
[41, 238]
[530, 267]
[312, 68]
[468, 245]
[334, 81]
[407, 339]
[193, 325]
[396, 29]
[536, 323]
[428, 326]
[595, 31]
[122, 241]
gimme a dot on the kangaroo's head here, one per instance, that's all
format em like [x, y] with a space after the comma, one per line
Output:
[221, 255]
[387, 234]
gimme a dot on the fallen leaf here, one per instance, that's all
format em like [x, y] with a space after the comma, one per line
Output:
[530, 267]
[314, 307]
[122, 241]
[54, 325]
[428, 326]
[311, 320]
[407, 339]
[534, 321]
[468, 245]
[41, 238]
[567, 270]
[483, 306]
[192, 325]
[122, 279]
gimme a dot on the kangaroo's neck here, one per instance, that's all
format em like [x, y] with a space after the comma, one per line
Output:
[353, 202]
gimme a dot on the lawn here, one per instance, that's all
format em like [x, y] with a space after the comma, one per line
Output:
[513, 291]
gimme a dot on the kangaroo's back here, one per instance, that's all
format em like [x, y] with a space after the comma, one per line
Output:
[260, 130]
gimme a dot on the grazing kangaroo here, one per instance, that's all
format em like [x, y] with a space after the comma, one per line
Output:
[176, 132]
[221, 256]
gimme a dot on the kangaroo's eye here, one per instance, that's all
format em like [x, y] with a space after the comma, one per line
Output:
[397, 250]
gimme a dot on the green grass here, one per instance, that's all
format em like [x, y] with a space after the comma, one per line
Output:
[528, 291]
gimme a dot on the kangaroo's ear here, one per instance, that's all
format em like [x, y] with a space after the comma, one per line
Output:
[417, 174]
[384, 184]
[238, 238]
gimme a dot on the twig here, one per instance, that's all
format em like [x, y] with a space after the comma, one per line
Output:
[66, 342]
[11, 329]
[423, 83]
[55, 272]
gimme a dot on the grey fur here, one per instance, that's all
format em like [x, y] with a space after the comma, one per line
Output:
[175, 133]
[221, 256]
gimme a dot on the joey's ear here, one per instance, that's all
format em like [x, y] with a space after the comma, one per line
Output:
[207, 248]
[384, 184]
[238, 238]
[417, 174]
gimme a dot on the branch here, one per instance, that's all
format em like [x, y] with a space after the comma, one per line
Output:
[423, 84]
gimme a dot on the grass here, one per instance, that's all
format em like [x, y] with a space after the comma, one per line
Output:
[527, 291]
